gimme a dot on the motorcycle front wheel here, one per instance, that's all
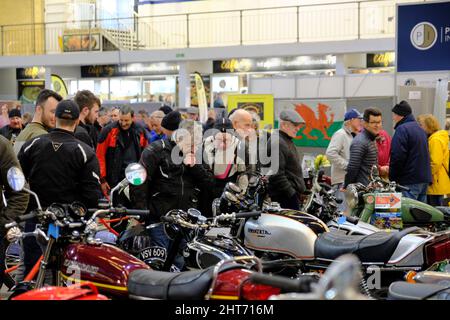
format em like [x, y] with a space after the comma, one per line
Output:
[12, 259]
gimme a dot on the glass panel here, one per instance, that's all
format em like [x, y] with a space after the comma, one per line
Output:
[160, 90]
[125, 89]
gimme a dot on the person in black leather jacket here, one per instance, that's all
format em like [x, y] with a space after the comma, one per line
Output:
[59, 168]
[175, 177]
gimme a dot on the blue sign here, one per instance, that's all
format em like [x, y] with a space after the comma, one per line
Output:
[423, 37]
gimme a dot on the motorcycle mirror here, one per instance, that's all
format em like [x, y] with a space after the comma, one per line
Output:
[231, 197]
[135, 174]
[342, 279]
[16, 179]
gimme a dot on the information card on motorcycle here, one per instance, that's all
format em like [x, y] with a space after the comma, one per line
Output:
[388, 201]
[387, 213]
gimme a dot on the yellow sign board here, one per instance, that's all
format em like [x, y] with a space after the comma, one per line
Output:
[262, 104]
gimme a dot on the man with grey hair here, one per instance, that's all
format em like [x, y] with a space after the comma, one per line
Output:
[286, 182]
[175, 178]
[154, 124]
[119, 144]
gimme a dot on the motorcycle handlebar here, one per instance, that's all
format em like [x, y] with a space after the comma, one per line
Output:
[167, 219]
[402, 188]
[250, 214]
[27, 216]
[302, 284]
[125, 211]
[353, 220]
[21, 218]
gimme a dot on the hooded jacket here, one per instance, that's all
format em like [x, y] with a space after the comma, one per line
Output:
[410, 156]
[439, 157]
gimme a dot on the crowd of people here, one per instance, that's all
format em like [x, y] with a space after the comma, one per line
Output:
[77, 150]
[416, 157]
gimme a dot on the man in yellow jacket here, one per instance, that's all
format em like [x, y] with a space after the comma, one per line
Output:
[439, 155]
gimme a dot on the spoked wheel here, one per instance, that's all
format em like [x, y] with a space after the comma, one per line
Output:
[12, 260]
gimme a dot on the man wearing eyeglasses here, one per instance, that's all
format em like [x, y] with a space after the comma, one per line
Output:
[363, 150]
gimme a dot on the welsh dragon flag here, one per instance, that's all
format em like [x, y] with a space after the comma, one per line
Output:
[322, 118]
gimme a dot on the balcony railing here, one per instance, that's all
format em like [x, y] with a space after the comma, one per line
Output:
[308, 23]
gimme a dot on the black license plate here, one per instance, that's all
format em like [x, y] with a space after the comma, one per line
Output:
[153, 253]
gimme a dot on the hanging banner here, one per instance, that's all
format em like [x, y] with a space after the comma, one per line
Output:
[322, 118]
[201, 97]
[59, 86]
[81, 42]
[423, 37]
[262, 104]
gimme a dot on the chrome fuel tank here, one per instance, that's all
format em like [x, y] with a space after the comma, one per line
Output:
[280, 233]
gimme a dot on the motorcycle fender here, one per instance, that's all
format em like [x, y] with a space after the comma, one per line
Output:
[409, 251]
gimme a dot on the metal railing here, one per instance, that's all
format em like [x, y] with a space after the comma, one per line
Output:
[305, 23]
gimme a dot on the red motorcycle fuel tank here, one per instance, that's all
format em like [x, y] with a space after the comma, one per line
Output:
[106, 266]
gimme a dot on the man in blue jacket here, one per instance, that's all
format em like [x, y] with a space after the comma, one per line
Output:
[410, 157]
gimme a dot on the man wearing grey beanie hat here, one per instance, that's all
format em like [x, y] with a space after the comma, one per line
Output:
[410, 157]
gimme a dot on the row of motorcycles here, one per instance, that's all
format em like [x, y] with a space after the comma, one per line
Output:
[251, 249]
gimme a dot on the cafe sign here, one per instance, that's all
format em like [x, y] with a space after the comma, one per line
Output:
[297, 63]
[30, 73]
[132, 69]
[379, 60]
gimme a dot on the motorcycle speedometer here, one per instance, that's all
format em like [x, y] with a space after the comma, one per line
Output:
[57, 209]
[78, 209]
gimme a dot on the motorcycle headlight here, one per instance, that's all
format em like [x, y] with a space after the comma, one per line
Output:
[351, 196]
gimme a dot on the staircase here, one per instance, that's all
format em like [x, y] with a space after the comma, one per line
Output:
[122, 39]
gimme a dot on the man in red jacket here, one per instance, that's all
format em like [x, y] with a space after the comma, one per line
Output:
[119, 144]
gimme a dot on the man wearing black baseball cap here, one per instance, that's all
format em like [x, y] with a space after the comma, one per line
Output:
[59, 168]
[410, 157]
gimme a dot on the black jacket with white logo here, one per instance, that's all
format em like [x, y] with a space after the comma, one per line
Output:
[60, 168]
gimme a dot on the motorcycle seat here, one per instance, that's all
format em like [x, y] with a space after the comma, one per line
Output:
[188, 285]
[417, 291]
[375, 247]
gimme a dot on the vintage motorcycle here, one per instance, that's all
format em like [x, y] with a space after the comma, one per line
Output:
[341, 281]
[72, 254]
[432, 284]
[286, 237]
[363, 200]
